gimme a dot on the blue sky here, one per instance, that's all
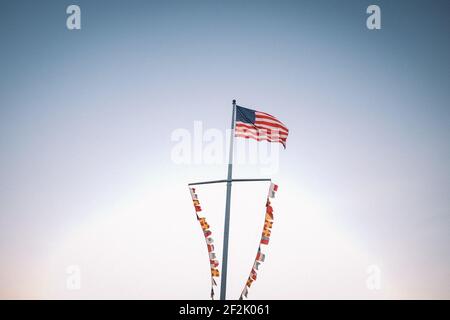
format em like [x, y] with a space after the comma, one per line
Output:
[86, 119]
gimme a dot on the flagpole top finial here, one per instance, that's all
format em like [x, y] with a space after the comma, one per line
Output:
[234, 101]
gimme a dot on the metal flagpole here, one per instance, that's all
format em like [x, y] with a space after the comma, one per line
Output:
[226, 229]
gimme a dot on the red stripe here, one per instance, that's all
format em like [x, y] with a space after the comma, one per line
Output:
[260, 135]
[260, 127]
[246, 125]
[263, 116]
[259, 140]
[249, 136]
[270, 124]
[264, 113]
[262, 132]
[240, 124]
[264, 127]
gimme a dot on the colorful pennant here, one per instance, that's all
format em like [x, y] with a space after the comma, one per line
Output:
[214, 264]
[265, 237]
[260, 256]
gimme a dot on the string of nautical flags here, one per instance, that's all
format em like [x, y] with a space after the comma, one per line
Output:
[265, 237]
[214, 263]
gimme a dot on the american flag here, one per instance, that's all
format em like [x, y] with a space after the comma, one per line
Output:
[259, 126]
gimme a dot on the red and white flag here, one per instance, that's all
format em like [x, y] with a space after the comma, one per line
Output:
[252, 124]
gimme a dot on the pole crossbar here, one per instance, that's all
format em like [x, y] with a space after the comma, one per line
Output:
[225, 180]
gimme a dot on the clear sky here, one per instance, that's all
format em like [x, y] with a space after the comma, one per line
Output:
[87, 176]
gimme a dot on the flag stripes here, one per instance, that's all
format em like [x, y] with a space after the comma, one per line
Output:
[259, 126]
